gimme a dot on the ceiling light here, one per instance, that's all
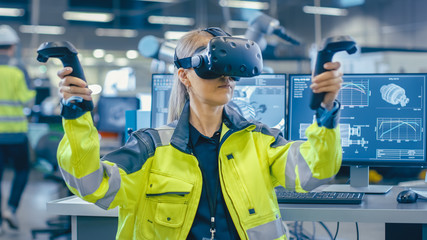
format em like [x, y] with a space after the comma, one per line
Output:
[237, 24]
[173, 35]
[244, 4]
[325, 11]
[132, 54]
[109, 58]
[121, 62]
[96, 88]
[184, 21]
[12, 12]
[113, 32]
[88, 16]
[98, 53]
[89, 61]
[38, 29]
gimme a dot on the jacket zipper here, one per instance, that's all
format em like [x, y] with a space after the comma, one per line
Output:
[248, 200]
[232, 204]
[242, 185]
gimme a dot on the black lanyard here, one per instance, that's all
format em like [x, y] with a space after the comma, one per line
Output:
[212, 201]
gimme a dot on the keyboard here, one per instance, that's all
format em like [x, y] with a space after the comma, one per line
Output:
[286, 196]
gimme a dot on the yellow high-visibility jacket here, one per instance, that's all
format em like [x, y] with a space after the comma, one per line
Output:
[156, 182]
[14, 94]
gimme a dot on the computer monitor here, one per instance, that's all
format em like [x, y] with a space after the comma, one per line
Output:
[260, 98]
[383, 119]
[112, 113]
[161, 87]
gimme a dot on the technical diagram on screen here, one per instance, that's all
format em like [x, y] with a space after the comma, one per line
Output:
[383, 118]
[260, 98]
[161, 87]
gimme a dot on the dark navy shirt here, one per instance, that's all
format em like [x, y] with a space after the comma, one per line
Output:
[206, 150]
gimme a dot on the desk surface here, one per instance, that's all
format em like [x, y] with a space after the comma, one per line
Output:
[374, 208]
[75, 206]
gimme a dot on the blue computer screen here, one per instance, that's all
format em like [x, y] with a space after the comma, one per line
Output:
[161, 86]
[260, 98]
[383, 117]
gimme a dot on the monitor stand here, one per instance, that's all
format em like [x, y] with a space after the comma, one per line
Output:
[359, 182]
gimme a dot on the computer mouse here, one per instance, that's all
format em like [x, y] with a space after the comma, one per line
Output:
[407, 196]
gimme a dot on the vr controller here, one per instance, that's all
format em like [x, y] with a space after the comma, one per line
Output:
[325, 54]
[225, 56]
[75, 106]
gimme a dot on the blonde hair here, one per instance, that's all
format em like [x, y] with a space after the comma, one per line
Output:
[186, 47]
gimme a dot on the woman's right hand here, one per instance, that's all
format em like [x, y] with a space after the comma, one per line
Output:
[71, 86]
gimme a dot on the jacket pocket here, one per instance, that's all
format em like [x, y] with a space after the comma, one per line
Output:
[170, 214]
[165, 207]
[159, 185]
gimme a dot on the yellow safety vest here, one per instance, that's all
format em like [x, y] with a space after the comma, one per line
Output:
[156, 181]
[14, 94]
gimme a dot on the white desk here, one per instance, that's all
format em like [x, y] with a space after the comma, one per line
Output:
[88, 220]
[376, 208]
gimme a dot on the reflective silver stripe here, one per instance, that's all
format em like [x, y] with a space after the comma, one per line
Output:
[270, 230]
[307, 181]
[165, 135]
[90, 183]
[87, 184]
[114, 181]
[12, 119]
[294, 156]
[10, 103]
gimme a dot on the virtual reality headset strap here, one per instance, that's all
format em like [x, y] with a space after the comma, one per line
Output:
[195, 61]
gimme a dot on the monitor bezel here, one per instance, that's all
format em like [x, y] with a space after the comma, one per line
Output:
[376, 163]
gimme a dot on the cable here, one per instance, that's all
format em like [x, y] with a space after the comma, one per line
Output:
[357, 231]
[295, 230]
[300, 228]
[314, 229]
[327, 230]
[299, 231]
[288, 235]
[336, 233]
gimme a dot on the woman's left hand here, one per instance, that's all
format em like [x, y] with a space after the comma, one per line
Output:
[328, 82]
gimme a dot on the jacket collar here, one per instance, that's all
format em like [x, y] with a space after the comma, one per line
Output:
[181, 136]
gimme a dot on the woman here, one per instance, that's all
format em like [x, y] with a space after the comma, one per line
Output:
[209, 173]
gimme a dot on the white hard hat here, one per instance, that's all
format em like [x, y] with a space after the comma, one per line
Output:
[8, 35]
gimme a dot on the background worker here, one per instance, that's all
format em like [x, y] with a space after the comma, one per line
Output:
[14, 96]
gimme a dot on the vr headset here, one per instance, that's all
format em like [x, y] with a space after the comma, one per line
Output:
[224, 56]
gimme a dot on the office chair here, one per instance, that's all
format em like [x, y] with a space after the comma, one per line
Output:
[45, 151]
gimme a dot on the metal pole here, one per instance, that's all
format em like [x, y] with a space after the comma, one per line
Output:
[201, 14]
[317, 25]
[35, 18]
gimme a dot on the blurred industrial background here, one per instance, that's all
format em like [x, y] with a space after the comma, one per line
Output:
[121, 43]
[390, 33]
